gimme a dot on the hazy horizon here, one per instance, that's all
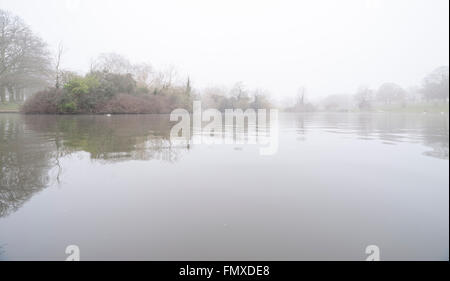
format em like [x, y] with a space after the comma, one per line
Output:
[330, 47]
[236, 132]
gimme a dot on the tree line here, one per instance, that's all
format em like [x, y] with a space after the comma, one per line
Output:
[112, 85]
[31, 75]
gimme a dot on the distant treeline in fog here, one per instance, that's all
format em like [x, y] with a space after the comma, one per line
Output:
[31, 75]
[431, 95]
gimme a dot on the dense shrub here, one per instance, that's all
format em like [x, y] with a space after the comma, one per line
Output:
[82, 86]
[51, 101]
[46, 102]
[125, 103]
[104, 92]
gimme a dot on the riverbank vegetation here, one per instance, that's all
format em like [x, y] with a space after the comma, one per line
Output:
[32, 78]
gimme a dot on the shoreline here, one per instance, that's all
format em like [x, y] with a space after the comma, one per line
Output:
[285, 112]
[440, 108]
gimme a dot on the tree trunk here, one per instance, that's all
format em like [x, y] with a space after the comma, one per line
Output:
[19, 94]
[22, 95]
[2, 94]
[11, 94]
[16, 95]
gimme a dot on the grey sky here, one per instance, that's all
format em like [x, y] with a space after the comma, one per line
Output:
[327, 45]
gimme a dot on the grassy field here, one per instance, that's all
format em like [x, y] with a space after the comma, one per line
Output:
[9, 107]
[416, 108]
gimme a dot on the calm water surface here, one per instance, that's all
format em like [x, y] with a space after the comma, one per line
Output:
[117, 188]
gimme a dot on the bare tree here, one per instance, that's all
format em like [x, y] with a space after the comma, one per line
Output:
[364, 97]
[260, 99]
[169, 75]
[24, 58]
[238, 90]
[113, 63]
[239, 96]
[436, 84]
[301, 96]
[188, 86]
[143, 73]
[59, 54]
[391, 92]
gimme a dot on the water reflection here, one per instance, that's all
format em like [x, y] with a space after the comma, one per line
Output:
[111, 139]
[24, 164]
[31, 145]
[430, 130]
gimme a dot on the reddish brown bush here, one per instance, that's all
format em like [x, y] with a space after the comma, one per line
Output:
[124, 103]
[45, 102]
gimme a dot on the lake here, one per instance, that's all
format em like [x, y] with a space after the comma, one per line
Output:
[120, 190]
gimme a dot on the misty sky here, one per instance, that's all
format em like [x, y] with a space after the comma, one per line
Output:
[329, 46]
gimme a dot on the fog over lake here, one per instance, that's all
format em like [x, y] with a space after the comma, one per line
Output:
[117, 187]
[207, 130]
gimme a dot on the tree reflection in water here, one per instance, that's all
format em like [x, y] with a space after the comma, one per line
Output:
[110, 139]
[24, 164]
[33, 145]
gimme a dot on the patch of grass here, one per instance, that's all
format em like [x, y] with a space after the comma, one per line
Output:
[432, 107]
[10, 107]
